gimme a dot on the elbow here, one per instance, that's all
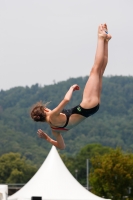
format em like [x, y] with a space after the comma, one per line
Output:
[62, 147]
[66, 100]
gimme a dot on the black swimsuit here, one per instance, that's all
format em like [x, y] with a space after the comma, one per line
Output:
[76, 110]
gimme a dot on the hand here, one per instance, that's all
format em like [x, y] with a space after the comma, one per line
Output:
[42, 134]
[75, 87]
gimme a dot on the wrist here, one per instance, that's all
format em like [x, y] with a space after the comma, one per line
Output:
[72, 88]
[49, 139]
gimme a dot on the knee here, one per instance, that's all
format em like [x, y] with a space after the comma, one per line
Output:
[95, 70]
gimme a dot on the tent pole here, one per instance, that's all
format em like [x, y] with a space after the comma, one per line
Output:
[87, 174]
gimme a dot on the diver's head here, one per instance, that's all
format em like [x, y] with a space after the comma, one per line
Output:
[38, 112]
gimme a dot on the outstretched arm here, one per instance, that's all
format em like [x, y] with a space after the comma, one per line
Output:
[59, 108]
[59, 142]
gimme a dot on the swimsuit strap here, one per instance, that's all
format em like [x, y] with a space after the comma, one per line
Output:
[66, 122]
[63, 127]
[60, 129]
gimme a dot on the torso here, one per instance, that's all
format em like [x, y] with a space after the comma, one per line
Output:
[71, 117]
[74, 119]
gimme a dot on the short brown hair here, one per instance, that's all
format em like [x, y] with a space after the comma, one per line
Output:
[37, 112]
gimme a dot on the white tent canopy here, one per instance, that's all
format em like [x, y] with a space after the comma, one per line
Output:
[53, 181]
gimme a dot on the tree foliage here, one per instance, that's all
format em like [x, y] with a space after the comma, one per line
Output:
[77, 165]
[112, 174]
[110, 126]
[110, 170]
[15, 169]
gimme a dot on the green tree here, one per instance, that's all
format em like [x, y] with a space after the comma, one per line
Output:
[15, 169]
[87, 152]
[111, 126]
[77, 164]
[112, 175]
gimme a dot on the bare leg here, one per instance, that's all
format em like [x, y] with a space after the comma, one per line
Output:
[105, 57]
[91, 94]
[104, 66]
[105, 49]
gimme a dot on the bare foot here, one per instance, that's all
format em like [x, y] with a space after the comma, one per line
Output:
[101, 32]
[106, 31]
